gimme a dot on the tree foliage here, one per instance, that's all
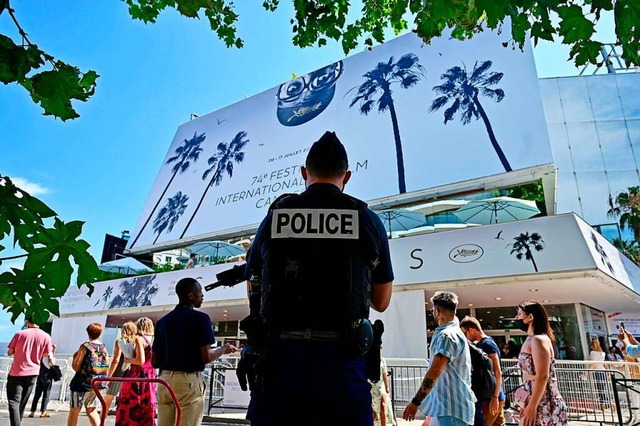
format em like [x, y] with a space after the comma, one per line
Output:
[571, 22]
[49, 245]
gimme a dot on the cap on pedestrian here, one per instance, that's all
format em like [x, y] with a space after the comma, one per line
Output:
[327, 156]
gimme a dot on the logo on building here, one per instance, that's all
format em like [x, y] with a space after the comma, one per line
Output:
[466, 253]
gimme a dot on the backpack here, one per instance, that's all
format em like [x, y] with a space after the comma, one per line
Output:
[94, 366]
[483, 379]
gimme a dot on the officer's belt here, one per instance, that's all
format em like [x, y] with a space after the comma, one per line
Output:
[311, 335]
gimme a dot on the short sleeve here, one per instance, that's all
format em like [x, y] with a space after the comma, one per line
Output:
[383, 272]
[206, 331]
[489, 347]
[447, 346]
[13, 342]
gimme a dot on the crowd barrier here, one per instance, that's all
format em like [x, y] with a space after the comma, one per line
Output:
[603, 392]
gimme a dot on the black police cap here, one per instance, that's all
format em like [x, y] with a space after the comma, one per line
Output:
[327, 155]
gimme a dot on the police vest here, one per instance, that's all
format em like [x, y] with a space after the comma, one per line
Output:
[319, 263]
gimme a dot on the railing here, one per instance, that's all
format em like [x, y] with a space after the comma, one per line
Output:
[590, 390]
[105, 409]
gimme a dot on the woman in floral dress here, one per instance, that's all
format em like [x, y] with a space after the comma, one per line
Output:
[539, 395]
[137, 402]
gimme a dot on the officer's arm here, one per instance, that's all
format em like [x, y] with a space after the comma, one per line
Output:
[381, 296]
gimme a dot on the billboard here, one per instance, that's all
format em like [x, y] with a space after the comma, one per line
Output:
[412, 116]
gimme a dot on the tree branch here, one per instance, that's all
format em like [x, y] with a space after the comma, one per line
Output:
[13, 257]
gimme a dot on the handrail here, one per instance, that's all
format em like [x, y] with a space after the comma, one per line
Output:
[103, 415]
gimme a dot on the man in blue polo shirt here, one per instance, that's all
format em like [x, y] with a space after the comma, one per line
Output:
[181, 349]
[445, 393]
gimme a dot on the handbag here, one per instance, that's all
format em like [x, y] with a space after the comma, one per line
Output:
[521, 398]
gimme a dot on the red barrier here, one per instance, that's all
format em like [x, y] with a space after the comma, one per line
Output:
[105, 410]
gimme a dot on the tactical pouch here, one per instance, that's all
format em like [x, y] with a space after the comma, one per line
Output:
[251, 369]
[373, 356]
[358, 337]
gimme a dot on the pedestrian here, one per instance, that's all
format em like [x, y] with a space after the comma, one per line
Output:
[445, 393]
[137, 402]
[538, 398]
[192, 261]
[181, 349]
[122, 349]
[44, 384]
[91, 361]
[322, 258]
[27, 347]
[488, 412]
[381, 399]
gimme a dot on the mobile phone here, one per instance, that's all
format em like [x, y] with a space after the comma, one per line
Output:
[622, 326]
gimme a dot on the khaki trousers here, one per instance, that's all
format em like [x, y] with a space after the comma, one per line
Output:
[189, 389]
[493, 419]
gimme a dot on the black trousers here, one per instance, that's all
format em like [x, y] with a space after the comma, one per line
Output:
[43, 388]
[18, 392]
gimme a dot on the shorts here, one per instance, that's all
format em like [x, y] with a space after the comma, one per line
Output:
[114, 388]
[87, 399]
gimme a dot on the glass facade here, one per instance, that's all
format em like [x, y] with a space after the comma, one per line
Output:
[594, 129]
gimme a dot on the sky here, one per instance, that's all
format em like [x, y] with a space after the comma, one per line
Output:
[100, 167]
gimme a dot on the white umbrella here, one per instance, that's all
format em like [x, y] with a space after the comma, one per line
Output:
[401, 220]
[126, 265]
[216, 249]
[496, 210]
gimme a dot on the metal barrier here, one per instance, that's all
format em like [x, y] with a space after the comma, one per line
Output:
[104, 412]
[217, 373]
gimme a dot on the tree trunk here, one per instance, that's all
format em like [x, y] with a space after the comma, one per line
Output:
[154, 209]
[492, 136]
[530, 255]
[217, 172]
[402, 187]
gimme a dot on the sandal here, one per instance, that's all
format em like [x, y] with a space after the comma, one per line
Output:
[45, 414]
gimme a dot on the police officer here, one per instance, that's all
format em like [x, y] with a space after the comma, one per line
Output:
[323, 259]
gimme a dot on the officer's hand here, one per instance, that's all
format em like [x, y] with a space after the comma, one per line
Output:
[410, 412]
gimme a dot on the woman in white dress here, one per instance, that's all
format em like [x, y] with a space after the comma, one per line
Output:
[597, 354]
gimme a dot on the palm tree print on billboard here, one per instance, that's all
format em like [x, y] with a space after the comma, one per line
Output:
[463, 89]
[135, 292]
[304, 98]
[219, 163]
[525, 245]
[604, 258]
[377, 90]
[189, 151]
[105, 297]
[169, 214]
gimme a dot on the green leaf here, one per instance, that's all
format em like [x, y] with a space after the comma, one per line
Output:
[54, 90]
[17, 61]
[574, 26]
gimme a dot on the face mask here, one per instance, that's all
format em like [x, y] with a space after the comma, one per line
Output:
[521, 325]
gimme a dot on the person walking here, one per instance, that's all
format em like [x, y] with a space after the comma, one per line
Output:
[137, 402]
[322, 258]
[123, 349]
[27, 347]
[489, 412]
[539, 397]
[44, 384]
[91, 361]
[181, 349]
[445, 392]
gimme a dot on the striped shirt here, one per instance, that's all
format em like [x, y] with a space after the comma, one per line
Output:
[451, 394]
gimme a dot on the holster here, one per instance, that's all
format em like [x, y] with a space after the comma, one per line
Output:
[252, 367]
[373, 355]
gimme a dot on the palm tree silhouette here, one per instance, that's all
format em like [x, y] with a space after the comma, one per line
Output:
[603, 254]
[464, 89]
[105, 296]
[626, 206]
[188, 151]
[523, 245]
[377, 89]
[135, 292]
[221, 162]
[170, 213]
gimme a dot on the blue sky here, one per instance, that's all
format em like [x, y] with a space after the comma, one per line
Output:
[100, 168]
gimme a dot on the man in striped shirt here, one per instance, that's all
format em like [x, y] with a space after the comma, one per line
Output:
[445, 394]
